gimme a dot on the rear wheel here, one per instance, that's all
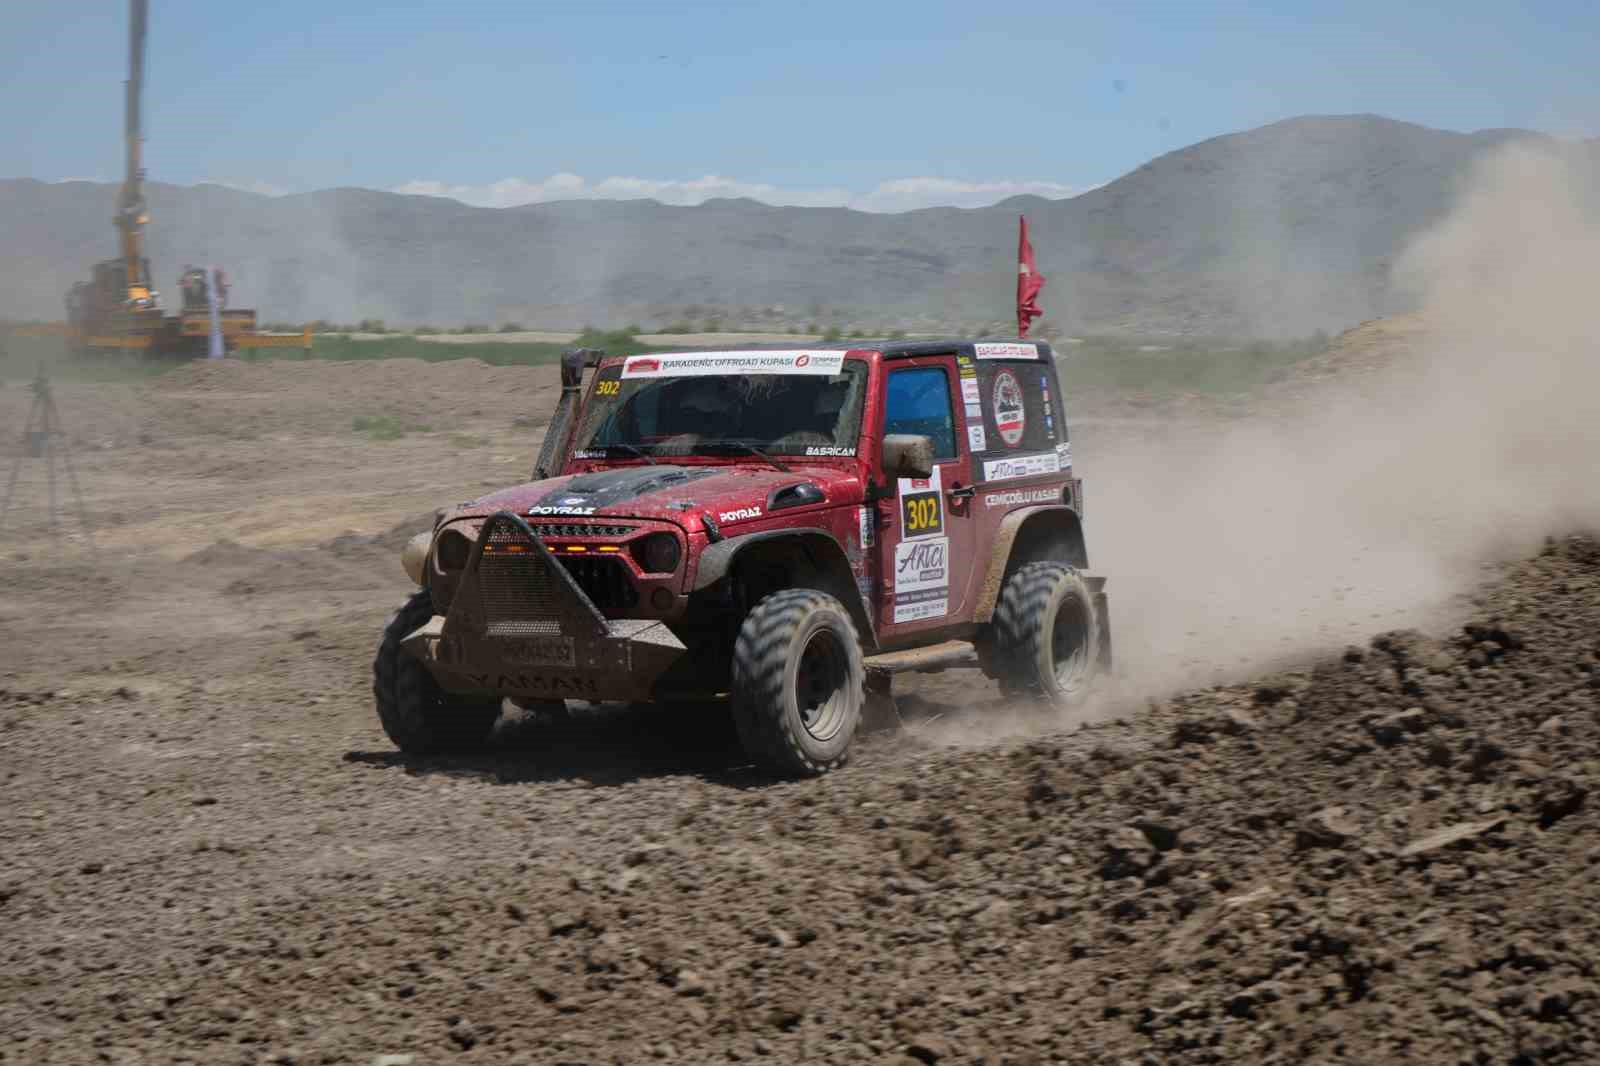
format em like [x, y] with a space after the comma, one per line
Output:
[418, 715]
[1047, 635]
[798, 683]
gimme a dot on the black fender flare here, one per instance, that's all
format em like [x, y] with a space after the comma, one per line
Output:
[823, 548]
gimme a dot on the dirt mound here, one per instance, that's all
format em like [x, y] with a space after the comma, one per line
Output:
[1389, 855]
[1366, 349]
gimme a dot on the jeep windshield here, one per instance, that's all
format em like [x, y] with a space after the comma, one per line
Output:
[779, 403]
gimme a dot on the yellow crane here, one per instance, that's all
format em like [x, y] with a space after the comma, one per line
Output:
[118, 308]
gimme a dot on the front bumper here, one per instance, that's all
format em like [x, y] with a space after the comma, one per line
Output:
[520, 626]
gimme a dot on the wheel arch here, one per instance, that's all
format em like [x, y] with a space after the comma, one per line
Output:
[778, 548]
[1029, 535]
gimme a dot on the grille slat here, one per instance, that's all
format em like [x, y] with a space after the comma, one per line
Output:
[578, 529]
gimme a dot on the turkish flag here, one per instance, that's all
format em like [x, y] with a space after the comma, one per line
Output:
[1029, 282]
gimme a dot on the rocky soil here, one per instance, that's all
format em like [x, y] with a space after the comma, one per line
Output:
[209, 853]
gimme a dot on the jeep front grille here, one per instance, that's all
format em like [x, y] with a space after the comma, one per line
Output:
[517, 587]
[604, 581]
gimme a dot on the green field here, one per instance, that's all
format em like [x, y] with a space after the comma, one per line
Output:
[1164, 367]
[1116, 364]
[22, 357]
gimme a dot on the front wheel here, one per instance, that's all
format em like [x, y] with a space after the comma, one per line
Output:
[798, 683]
[419, 716]
[1047, 634]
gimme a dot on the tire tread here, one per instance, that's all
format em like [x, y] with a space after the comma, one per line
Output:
[760, 666]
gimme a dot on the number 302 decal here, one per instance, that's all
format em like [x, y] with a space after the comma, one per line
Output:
[921, 514]
[607, 388]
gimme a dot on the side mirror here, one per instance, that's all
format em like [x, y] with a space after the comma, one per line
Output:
[907, 455]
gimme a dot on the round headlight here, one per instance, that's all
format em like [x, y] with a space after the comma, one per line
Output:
[658, 553]
[452, 551]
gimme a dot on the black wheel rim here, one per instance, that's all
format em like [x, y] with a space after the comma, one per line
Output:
[1069, 647]
[821, 685]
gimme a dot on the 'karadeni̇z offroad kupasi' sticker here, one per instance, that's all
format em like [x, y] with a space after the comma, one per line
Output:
[1010, 418]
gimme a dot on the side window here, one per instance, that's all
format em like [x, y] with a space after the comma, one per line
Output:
[917, 400]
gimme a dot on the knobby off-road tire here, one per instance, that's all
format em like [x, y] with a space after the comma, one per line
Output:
[1047, 635]
[798, 683]
[419, 716]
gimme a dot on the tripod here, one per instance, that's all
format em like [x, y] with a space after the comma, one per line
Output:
[39, 441]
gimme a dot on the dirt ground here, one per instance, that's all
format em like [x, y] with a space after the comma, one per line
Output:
[209, 852]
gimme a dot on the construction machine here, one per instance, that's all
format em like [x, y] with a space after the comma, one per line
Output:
[119, 308]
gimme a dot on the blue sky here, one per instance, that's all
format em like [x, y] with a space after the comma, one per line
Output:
[877, 105]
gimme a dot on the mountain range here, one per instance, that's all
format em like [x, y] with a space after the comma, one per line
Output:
[1275, 231]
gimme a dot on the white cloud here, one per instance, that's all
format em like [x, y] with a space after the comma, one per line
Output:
[908, 194]
[901, 194]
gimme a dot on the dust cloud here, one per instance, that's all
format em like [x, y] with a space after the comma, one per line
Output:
[1320, 521]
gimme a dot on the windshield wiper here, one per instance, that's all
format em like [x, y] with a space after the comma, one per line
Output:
[629, 449]
[723, 445]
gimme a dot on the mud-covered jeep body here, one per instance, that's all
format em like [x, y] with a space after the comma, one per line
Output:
[786, 527]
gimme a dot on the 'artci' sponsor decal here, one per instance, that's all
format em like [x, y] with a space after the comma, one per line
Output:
[921, 579]
[1010, 416]
[1021, 466]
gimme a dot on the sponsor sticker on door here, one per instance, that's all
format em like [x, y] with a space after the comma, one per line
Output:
[922, 579]
[921, 506]
[1015, 466]
[975, 437]
[1020, 498]
[1010, 415]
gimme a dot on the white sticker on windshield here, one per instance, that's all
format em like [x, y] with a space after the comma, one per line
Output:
[1006, 351]
[708, 364]
[975, 437]
[1021, 466]
[969, 390]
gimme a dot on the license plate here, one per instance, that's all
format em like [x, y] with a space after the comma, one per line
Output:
[540, 651]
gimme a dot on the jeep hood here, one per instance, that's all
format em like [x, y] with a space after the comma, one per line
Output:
[679, 494]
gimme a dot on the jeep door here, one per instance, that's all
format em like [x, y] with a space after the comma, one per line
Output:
[926, 527]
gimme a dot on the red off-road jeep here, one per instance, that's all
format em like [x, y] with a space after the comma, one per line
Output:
[783, 528]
